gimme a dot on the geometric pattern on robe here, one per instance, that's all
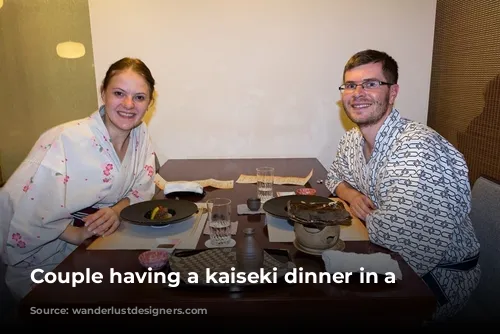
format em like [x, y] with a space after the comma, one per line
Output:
[419, 184]
[72, 166]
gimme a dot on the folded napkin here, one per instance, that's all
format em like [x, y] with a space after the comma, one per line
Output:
[380, 263]
[244, 210]
[173, 187]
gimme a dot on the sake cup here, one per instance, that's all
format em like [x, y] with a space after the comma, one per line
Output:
[253, 203]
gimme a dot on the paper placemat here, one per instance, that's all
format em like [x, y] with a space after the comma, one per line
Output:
[244, 210]
[130, 236]
[234, 228]
[299, 181]
[220, 184]
[279, 230]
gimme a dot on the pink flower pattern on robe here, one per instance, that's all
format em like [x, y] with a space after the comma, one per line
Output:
[18, 240]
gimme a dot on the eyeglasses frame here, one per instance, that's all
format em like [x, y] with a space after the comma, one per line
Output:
[382, 83]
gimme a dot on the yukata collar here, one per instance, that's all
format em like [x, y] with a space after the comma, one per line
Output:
[386, 133]
[389, 126]
[98, 116]
[98, 122]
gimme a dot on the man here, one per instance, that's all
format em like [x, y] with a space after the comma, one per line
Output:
[406, 182]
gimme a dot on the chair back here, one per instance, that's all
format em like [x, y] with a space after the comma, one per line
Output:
[6, 213]
[485, 217]
[7, 302]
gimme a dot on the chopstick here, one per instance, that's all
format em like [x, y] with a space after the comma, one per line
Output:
[202, 211]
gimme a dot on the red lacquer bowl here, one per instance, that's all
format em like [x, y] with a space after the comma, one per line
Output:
[154, 259]
[305, 191]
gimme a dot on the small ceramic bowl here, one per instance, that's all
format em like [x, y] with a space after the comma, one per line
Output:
[305, 191]
[154, 259]
[253, 203]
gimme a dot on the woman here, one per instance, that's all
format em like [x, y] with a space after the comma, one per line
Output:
[99, 164]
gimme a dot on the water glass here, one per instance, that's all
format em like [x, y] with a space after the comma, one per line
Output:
[265, 181]
[219, 221]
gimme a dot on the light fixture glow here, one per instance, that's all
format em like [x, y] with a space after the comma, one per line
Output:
[70, 50]
[1, 3]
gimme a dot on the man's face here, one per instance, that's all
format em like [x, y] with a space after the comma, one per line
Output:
[369, 106]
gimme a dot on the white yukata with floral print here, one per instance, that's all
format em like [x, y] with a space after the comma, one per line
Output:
[418, 182]
[71, 167]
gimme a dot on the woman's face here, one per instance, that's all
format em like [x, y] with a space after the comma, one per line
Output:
[126, 100]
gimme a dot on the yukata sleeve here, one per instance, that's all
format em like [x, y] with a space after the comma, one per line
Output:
[423, 197]
[143, 187]
[340, 170]
[38, 191]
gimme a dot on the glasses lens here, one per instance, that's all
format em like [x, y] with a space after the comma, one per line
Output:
[371, 84]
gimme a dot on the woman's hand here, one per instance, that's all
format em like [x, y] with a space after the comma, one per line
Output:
[85, 234]
[103, 222]
[75, 235]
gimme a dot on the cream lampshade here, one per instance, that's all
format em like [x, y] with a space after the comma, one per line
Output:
[70, 50]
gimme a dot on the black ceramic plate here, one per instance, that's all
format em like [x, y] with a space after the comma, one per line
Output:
[140, 213]
[277, 206]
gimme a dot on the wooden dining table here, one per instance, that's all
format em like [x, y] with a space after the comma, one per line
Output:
[406, 302]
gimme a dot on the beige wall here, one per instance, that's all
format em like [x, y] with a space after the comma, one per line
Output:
[38, 89]
[259, 78]
[242, 78]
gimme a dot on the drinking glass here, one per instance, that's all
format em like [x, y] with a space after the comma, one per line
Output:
[265, 181]
[219, 221]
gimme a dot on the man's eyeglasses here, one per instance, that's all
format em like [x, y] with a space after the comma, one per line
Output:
[369, 84]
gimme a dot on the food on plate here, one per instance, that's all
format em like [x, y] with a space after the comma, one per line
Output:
[160, 213]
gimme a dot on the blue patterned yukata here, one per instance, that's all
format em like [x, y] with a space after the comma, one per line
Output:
[419, 184]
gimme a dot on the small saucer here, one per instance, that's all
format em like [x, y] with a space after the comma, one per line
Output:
[340, 246]
[231, 243]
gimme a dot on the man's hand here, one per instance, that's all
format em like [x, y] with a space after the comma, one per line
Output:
[103, 222]
[361, 206]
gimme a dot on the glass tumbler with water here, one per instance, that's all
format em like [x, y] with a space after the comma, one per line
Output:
[219, 221]
[265, 181]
